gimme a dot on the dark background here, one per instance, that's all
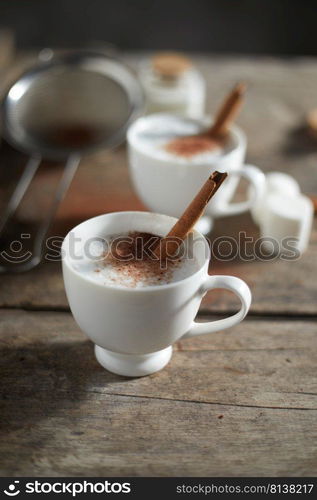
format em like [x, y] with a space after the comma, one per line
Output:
[223, 26]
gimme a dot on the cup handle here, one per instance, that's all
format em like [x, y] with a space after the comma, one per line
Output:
[235, 285]
[257, 180]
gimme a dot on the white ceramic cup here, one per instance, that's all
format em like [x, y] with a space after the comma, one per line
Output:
[167, 186]
[134, 328]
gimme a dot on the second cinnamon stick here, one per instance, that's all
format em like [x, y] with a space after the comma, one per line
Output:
[228, 111]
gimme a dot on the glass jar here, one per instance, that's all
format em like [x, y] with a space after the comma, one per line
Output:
[172, 84]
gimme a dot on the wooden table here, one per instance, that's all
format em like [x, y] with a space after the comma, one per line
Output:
[242, 402]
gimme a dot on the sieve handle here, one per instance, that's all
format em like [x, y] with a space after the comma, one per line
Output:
[66, 179]
[20, 190]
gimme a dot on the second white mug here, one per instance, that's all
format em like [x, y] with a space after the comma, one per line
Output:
[167, 183]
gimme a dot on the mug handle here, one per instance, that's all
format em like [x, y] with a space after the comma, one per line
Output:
[235, 285]
[257, 179]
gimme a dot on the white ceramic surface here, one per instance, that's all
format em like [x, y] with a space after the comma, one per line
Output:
[143, 321]
[167, 186]
[286, 217]
[275, 182]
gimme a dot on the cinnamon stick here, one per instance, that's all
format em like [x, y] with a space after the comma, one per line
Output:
[314, 200]
[228, 111]
[215, 135]
[169, 245]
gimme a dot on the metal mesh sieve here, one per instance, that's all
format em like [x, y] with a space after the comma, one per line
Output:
[61, 110]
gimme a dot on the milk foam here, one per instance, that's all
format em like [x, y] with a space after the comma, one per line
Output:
[100, 270]
[154, 132]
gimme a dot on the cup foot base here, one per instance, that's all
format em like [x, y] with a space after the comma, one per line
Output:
[204, 225]
[133, 365]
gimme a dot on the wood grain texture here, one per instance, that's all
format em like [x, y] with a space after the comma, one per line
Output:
[111, 436]
[243, 402]
[278, 286]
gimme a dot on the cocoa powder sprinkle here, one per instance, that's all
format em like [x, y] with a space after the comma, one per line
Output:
[131, 257]
[191, 145]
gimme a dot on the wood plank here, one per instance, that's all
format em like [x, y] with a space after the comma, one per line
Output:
[280, 373]
[278, 287]
[102, 435]
[20, 328]
[243, 402]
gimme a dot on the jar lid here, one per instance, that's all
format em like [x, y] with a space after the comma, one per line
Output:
[170, 64]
